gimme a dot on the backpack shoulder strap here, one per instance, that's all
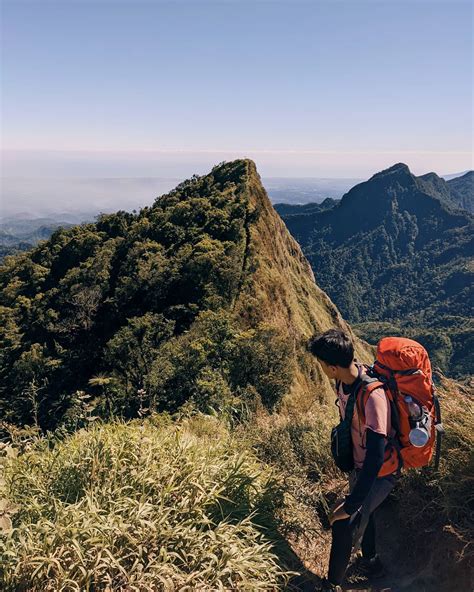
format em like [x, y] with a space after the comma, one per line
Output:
[368, 385]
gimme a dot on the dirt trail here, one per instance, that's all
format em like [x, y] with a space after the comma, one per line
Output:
[430, 567]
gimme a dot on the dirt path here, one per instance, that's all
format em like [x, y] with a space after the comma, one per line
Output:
[429, 568]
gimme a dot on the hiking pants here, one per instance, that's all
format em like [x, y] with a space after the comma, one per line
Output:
[358, 530]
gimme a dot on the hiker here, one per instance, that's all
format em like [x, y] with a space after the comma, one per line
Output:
[352, 520]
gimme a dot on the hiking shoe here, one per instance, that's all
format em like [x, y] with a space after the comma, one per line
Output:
[326, 586]
[370, 568]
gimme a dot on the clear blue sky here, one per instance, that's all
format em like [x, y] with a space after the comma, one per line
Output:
[299, 86]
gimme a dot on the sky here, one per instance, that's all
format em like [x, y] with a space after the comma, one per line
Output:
[335, 88]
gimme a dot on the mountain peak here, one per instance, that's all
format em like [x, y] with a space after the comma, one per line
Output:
[397, 169]
[431, 176]
[212, 253]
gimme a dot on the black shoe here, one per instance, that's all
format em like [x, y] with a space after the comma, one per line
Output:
[326, 586]
[370, 568]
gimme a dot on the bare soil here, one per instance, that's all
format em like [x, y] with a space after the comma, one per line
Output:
[424, 561]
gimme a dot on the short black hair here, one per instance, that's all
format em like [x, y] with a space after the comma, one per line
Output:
[333, 347]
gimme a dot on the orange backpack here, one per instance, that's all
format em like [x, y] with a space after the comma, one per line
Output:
[403, 369]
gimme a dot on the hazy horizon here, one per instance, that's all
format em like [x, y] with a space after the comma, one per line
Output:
[82, 197]
[326, 90]
[184, 163]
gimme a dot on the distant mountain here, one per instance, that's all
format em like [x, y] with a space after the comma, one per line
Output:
[40, 196]
[454, 175]
[285, 209]
[437, 187]
[396, 249]
[24, 222]
[33, 230]
[306, 189]
[458, 192]
[462, 191]
[20, 233]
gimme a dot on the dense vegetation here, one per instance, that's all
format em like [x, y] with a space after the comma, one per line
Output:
[140, 506]
[195, 502]
[6, 250]
[134, 312]
[394, 251]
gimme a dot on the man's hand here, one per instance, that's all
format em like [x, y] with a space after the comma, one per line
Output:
[338, 514]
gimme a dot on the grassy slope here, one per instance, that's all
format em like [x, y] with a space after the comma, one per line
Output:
[190, 504]
[281, 289]
[146, 506]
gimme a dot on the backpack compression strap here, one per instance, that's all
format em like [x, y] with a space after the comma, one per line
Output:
[439, 431]
[369, 385]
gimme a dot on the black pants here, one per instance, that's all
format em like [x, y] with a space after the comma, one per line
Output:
[346, 533]
[342, 538]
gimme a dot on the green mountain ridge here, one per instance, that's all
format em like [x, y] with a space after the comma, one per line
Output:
[462, 190]
[394, 250]
[202, 296]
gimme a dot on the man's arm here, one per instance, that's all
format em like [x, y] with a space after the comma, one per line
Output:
[374, 457]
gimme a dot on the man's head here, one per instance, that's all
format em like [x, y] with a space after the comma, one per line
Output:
[334, 351]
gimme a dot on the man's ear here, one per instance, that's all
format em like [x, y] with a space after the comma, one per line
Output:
[333, 370]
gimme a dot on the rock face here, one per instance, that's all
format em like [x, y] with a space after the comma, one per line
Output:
[149, 309]
[405, 253]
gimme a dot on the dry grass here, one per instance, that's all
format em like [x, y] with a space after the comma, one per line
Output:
[140, 507]
[297, 445]
[444, 499]
[186, 505]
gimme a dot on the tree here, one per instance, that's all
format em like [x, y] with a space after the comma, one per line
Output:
[132, 350]
[34, 370]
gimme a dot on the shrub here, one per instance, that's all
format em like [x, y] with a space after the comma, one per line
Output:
[140, 506]
[297, 445]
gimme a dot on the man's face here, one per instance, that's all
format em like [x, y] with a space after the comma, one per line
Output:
[329, 370]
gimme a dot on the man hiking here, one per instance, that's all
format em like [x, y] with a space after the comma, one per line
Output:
[352, 520]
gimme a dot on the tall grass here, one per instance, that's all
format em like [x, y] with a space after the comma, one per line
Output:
[192, 505]
[444, 499]
[297, 445]
[141, 506]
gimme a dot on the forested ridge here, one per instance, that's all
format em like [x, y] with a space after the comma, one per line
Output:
[395, 255]
[181, 301]
[92, 308]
